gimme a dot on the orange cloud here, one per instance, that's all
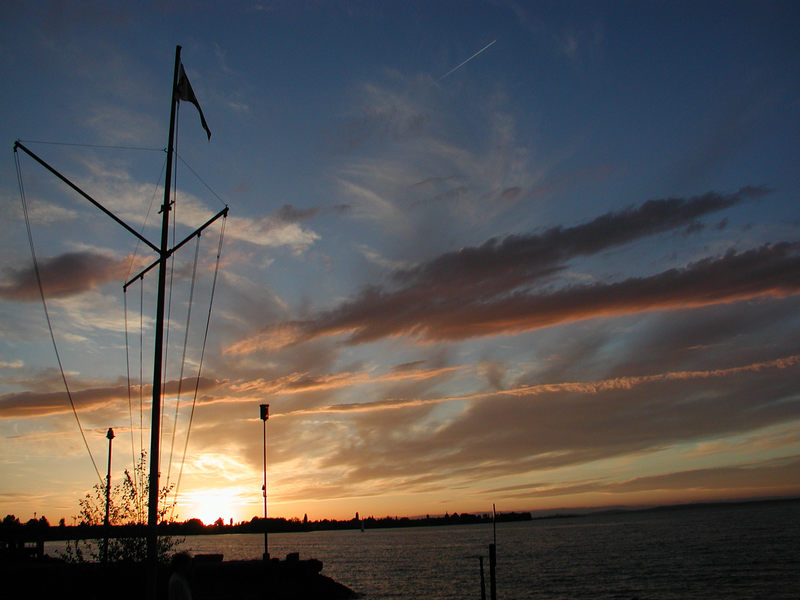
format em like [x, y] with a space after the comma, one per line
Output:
[37, 404]
[297, 383]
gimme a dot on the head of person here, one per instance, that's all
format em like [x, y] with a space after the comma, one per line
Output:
[181, 562]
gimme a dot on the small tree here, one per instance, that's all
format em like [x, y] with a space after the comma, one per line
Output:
[128, 507]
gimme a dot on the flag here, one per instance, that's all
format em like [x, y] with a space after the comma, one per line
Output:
[185, 92]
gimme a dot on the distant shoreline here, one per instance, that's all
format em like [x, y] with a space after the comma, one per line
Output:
[281, 525]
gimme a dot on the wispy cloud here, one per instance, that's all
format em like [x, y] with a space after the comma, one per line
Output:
[298, 383]
[405, 149]
[530, 391]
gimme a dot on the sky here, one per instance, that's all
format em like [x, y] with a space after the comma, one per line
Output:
[542, 255]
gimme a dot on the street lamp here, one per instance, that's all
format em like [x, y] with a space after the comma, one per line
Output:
[110, 436]
[264, 408]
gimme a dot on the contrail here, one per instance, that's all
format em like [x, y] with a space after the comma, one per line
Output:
[466, 61]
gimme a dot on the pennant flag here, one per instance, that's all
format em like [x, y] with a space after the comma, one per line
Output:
[185, 92]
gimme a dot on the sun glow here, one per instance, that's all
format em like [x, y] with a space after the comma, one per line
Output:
[209, 505]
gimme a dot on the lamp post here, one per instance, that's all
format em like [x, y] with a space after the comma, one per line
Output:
[264, 411]
[110, 436]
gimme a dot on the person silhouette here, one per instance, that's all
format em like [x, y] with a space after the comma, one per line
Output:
[179, 588]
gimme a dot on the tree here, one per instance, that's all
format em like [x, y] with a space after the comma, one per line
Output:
[11, 522]
[128, 507]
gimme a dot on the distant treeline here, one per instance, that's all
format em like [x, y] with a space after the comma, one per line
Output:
[11, 527]
[40, 529]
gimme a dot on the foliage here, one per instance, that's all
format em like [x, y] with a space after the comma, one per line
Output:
[127, 510]
[11, 525]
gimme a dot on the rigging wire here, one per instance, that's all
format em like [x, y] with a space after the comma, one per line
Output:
[200, 366]
[130, 384]
[101, 146]
[141, 364]
[134, 254]
[183, 358]
[144, 221]
[139, 477]
[200, 179]
[47, 313]
[128, 371]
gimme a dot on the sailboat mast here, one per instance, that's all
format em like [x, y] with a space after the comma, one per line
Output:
[155, 425]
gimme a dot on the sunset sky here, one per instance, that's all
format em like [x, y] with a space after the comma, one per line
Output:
[537, 254]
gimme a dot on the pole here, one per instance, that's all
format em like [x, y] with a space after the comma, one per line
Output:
[155, 425]
[492, 571]
[264, 411]
[494, 524]
[493, 557]
[483, 581]
[107, 522]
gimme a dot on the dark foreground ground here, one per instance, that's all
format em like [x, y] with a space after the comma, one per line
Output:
[291, 579]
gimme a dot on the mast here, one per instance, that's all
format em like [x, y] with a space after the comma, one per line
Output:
[155, 423]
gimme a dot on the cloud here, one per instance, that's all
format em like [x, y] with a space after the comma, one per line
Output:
[11, 364]
[422, 441]
[405, 149]
[124, 196]
[387, 114]
[298, 383]
[64, 275]
[37, 404]
[529, 391]
[521, 259]
[771, 477]
[282, 227]
[270, 338]
[551, 427]
[491, 289]
[291, 214]
[266, 231]
[120, 125]
[769, 271]
[41, 212]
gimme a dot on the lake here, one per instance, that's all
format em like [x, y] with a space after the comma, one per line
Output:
[731, 552]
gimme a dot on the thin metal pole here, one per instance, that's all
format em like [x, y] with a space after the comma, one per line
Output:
[155, 424]
[494, 524]
[493, 557]
[483, 581]
[492, 571]
[107, 522]
[264, 411]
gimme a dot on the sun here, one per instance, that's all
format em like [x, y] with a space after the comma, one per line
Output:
[209, 505]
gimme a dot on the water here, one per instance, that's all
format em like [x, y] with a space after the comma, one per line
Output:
[731, 552]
